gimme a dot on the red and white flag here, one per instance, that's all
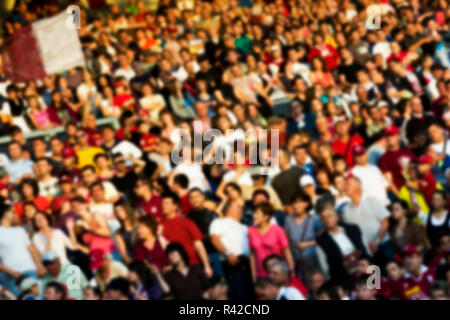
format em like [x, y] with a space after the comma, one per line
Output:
[42, 48]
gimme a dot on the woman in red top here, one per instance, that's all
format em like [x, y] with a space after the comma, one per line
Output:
[151, 246]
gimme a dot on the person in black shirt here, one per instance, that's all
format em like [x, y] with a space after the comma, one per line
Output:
[125, 178]
[349, 68]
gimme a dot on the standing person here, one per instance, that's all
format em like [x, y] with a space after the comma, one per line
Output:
[302, 229]
[229, 237]
[438, 220]
[186, 281]
[176, 228]
[149, 202]
[266, 238]
[18, 256]
[368, 213]
[341, 243]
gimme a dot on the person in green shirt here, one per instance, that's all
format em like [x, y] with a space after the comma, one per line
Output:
[69, 274]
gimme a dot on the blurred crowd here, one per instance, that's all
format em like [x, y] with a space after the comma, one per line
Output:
[354, 206]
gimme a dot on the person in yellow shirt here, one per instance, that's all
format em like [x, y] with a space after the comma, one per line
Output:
[84, 151]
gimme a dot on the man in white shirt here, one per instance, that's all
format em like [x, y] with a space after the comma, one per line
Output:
[229, 237]
[373, 182]
[48, 185]
[17, 255]
[368, 213]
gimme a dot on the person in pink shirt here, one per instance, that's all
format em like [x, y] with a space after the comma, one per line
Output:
[266, 238]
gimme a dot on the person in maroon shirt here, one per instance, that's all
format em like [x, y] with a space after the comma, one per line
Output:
[345, 142]
[150, 246]
[176, 228]
[395, 159]
[179, 184]
[415, 283]
[325, 51]
[149, 203]
[427, 184]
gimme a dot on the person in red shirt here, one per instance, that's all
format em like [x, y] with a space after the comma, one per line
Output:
[150, 246]
[176, 228]
[415, 283]
[149, 203]
[325, 51]
[179, 184]
[30, 193]
[395, 159]
[427, 183]
[344, 143]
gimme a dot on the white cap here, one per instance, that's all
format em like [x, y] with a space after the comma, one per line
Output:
[27, 283]
[305, 180]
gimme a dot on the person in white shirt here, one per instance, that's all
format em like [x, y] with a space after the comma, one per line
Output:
[18, 256]
[125, 69]
[439, 141]
[373, 182]
[368, 213]
[48, 184]
[268, 290]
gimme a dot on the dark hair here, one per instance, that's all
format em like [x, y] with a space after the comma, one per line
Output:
[4, 207]
[58, 287]
[234, 186]
[150, 222]
[100, 155]
[303, 197]
[173, 196]
[96, 184]
[182, 180]
[176, 246]
[196, 189]
[439, 285]
[119, 284]
[31, 182]
[262, 192]
[88, 167]
[266, 208]
[270, 257]
[78, 199]
[47, 217]
[143, 273]
[331, 289]
[361, 281]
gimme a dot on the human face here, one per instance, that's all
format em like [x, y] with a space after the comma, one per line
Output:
[168, 206]
[15, 151]
[88, 177]
[329, 218]
[120, 212]
[88, 294]
[300, 156]
[413, 262]
[143, 231]
[277, 275]
[316, 281]
[364, 293]
[397, 211]
[259, 217]
[27, 191]
[43, 168]
[41, 221]
[437, 201]
[98, 194]
[393, 271]
[436, 133]
[56, 146]
[82, 138]
[175, 258]
[299, 207]
[196, 199]
[51, 294]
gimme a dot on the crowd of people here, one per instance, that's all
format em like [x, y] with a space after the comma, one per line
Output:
[355, 205]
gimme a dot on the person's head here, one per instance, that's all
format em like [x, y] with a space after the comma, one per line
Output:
[55, 291]
[363, 291]
[439, 290]
[43, 167]
[412, 259]
[177, 254]
[7, 215]
[139, 273]
[301, 203]
[56, 146]
[416, 105]
[399, 209]
[180, 182]
[328, 291]
[436, 132]
[118, 289]
[232, 209]
[353, 186]
[123, 211]
[364, 261]
[170, 204]
[146, 227]
[88, 175]
[15, 150]
[439, 200]
[41, 221]
[51, 262]
[92, 293]
[394, 270]
[325, 209]
[143, 187]
[97, 191]
[196, 198]
[82, 138]
[260, 196]
[316, 280]
[392, 137]
[29, 188]
[279, 273]
[444, 241]
[301, 154]
[232, 191]
[263, 213]
[101, 161]
[267, 289]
